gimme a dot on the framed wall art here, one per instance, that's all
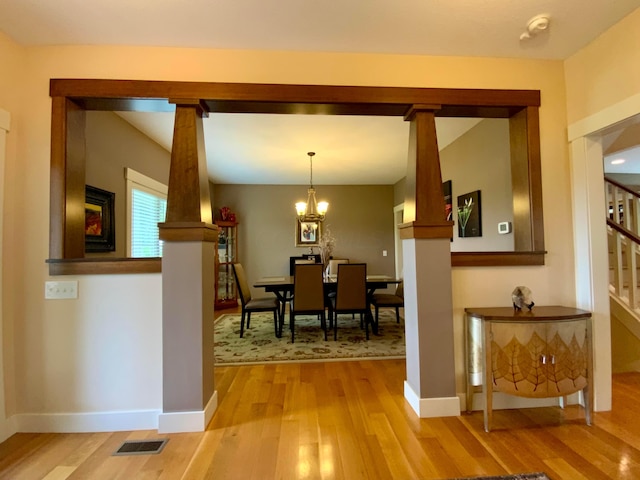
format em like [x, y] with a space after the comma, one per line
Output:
[308, 233]
[448, 200]
[469, 215]
[99, 224]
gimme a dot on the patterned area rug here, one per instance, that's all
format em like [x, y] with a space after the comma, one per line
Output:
[518, 476]
[260, 344]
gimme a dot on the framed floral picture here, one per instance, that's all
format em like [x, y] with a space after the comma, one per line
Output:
[99, 230]
[308, 233]
[469, 215]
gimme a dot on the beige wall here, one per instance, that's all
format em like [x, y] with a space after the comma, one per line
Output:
[112, 145]
[360, 217]
[63, 358]
[13, 59]
[606, 71]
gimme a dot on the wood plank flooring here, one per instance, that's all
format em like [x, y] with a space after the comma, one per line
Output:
[346, 420]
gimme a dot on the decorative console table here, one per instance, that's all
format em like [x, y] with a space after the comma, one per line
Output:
[541, 353]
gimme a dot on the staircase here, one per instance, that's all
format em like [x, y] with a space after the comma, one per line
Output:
[623, 227]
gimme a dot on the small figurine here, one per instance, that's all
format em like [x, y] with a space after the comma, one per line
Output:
[521, 297]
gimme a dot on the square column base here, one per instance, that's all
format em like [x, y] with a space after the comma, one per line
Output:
[431, 407]
[194, 421]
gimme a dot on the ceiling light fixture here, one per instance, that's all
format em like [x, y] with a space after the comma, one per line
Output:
[618, 161]
[537, 24]
[312, 211]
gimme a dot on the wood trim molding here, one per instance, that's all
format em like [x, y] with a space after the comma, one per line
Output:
[102, 265]
[496, 259]
[188, 232]
[416, 230]
[72, 97]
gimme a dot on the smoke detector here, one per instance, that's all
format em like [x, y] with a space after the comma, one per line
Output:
[536, 25]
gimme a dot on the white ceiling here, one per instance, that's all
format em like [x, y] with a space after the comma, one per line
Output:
[272, 149]
[350, 150]
[424, 27]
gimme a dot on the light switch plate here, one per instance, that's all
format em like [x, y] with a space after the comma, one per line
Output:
[57, 290]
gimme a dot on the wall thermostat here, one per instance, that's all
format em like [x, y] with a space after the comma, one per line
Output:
[504, 227]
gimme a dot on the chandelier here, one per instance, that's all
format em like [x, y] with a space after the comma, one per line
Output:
[312, 210]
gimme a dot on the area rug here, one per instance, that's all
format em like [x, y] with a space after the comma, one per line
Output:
[259, 343]
[518, 476]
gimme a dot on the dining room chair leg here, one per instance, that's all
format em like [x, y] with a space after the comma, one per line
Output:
[248, 320]
[397, 315]
[275, 323]
[323, 323]
[366, 325]
[291, 326]
[242, 324]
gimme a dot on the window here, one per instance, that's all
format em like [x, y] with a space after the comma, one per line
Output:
[147, 206]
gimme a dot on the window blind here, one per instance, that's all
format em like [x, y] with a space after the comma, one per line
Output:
[147, 210]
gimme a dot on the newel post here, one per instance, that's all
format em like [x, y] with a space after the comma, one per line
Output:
[430, 387]
[189, 396]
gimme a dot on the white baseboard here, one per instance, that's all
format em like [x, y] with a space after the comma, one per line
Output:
[193, 421]
[432, 407]
[86, 422]
[110, 421]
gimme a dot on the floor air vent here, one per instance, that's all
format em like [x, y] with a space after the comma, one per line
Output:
[141, 447]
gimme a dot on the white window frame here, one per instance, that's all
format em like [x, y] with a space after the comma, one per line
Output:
[139, 181]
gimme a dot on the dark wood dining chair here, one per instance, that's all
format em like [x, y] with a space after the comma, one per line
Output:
[390, 300]
[308, 295]
[351, 295]
[249, 304]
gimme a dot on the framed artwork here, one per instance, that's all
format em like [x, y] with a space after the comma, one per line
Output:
[469, 215]
[448, 200]
[308, 233]
[99, 226]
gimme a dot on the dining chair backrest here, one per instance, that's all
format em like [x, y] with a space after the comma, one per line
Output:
[351, 288]
[308, 287]
[307, 258]
[243, 285]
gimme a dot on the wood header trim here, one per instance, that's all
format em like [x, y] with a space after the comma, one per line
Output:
[416, 230]
[103, 265]
[188, 232]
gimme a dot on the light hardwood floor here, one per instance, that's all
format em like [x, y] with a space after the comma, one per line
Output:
[346, 420]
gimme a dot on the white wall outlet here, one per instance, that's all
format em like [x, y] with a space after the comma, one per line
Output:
[384, 253]
[504, 227]
[55, 290]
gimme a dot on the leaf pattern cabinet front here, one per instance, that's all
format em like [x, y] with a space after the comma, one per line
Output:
[543, 359]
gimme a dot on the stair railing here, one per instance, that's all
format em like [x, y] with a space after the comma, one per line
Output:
[623, 207]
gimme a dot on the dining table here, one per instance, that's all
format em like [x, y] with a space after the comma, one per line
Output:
[282, 287]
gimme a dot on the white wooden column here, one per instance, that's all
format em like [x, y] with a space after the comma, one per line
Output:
[189, 397]
[430, 386]
[592, 257]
